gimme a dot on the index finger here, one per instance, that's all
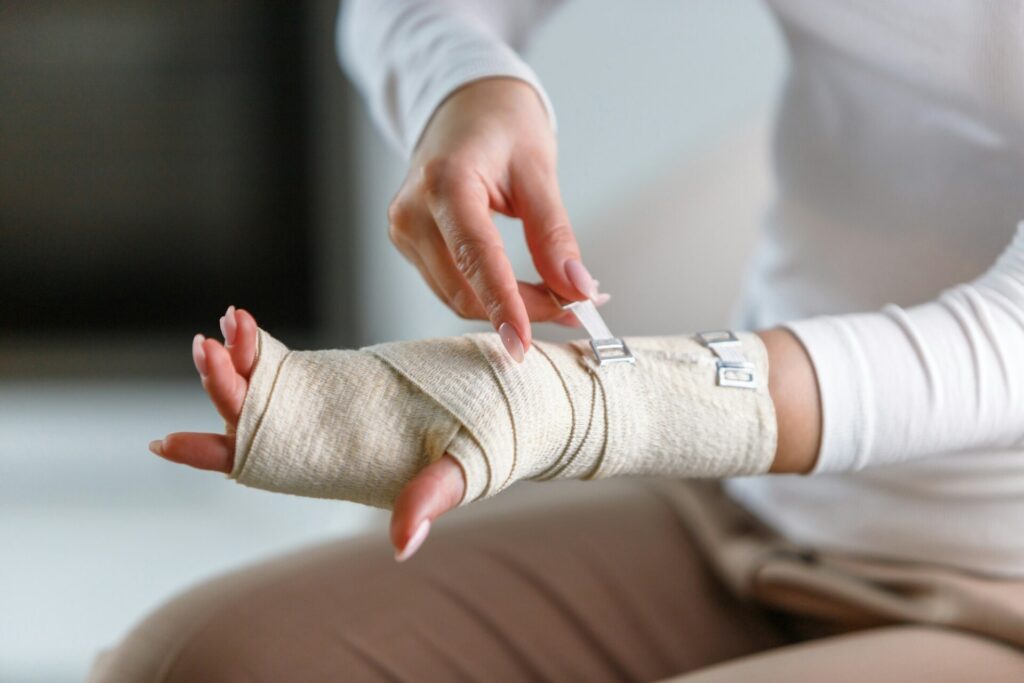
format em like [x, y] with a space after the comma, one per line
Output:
[461, 210]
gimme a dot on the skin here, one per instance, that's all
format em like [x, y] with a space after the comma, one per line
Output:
[488, 148]
[224, 370]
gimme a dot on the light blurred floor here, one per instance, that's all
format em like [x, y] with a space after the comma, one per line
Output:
[95, 531]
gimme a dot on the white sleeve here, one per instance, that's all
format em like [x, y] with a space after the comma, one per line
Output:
[407, 56]
[942, 377]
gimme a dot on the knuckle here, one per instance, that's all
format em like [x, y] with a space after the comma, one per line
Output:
[557, 237]
[470, 254]
[537, 160]
[493, 309]
[435, 177]
[395, 234]
[554, 244]
[441, 176]
[399, 213]
[461, 302]
[494, 304]
[402, 238]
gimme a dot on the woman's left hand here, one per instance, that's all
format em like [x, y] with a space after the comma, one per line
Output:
[225, 370]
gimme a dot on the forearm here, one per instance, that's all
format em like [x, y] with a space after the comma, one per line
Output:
[794, 390]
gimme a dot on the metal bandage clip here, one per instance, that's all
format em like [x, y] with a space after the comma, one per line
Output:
[734, 370]
[607, 348]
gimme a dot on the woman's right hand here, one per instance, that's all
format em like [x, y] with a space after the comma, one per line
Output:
[489, 147]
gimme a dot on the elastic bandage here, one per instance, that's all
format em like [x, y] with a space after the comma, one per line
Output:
[358, 425]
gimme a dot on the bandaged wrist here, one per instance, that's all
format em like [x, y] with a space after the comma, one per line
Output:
[357, 425]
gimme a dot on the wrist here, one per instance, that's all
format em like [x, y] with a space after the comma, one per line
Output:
[494, 108]
[793, 386]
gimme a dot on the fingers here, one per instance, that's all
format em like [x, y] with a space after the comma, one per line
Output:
[224, 374]
[215, 452]
[229, 326]
[549, 236]
[459, 203]
[222, 382]
[429, 253]
[434, 491]
[540, 306]
[243, 346]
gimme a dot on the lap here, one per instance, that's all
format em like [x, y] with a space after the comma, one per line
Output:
[595, 581]
[898, 654]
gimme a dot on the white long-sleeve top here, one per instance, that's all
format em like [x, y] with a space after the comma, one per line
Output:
[889, 250]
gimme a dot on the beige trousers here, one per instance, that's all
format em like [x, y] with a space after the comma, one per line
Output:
[616, 580]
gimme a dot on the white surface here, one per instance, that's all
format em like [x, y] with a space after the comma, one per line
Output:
[96, 531]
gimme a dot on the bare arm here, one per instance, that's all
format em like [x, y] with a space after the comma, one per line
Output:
[794, 390]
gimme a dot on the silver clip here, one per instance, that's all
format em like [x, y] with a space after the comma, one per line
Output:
[733, 368]
[607, 347]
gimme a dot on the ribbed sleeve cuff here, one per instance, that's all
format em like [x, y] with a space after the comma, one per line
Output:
[845, 391]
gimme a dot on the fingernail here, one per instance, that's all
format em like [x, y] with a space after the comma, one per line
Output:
[513, 344]
[414, 542]
[602, 299]
[229, 326]
[156, 447]
[580, 278]
[198, 354]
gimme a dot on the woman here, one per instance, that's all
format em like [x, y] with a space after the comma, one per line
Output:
[899, 150]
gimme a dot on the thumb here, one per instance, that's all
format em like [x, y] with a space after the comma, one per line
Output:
[437, 488]
[550, 238]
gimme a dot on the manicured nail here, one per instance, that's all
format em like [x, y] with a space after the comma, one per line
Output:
[414, 542]
[229, 326]
[580, 278]
[156, 447]
[602, 299]
[198, 354]
[513, 344]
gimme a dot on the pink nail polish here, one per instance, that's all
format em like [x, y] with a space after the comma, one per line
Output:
[198, 354]
[580, 278]
[602, 299]
[414, 542]
[156, 447]
[513, 344]
[229, 326]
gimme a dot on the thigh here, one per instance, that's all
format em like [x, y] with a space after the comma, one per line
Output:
[898, 654]
[566, 581]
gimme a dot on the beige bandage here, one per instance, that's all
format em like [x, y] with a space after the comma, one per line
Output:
[358, 425]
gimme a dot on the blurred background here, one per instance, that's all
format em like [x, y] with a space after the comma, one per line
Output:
[159, 161]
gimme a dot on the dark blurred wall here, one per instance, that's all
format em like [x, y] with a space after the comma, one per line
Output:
[154, 165]
[159, 161]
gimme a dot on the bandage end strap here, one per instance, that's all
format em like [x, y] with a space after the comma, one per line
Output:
[607, 347]
[734, 369]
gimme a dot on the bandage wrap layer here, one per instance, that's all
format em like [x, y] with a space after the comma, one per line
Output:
[358, 425]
